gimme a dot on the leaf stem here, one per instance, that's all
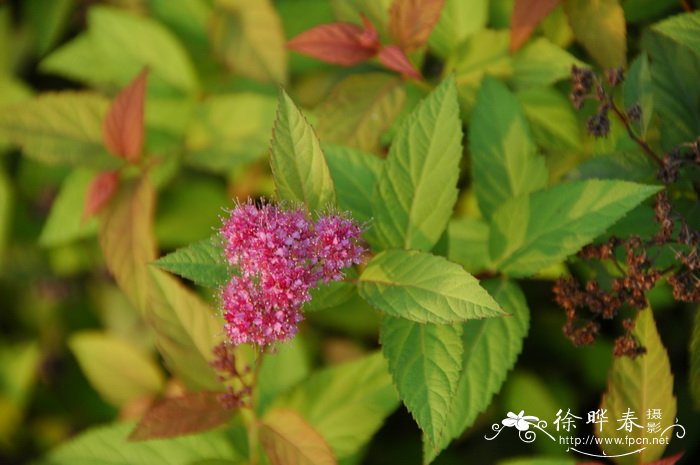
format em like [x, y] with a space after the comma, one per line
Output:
[644, 146]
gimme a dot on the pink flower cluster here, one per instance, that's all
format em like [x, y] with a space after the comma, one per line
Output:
[281, 255]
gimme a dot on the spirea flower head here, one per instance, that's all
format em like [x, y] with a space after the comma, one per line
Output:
[281, 255]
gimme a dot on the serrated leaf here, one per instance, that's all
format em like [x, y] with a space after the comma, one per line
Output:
[638, 90]
[298, 164]
[694, 349]
[683, 30]
[417, 188]
[338, 43]
[600, 26]
[107, 445]
[458, 20]
[533, 231]
[526, 16]
[346, 403]
[542, 63]
[59, 128]
[411, 21]
[248, 37]
[118, 371]
[355, 176]
[467, 243]
[65, 222]
[201, 262]
[639, 384]
[504, 159]
[193, 412]
[123, 127]
[229, 130]
[552, 119]
[425, 361]
[360, 109]
[490, 350]
[289, 440]
[424, 288]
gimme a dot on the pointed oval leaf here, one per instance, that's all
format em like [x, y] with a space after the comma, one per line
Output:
[424, 288]
[527, 14]
[417, 188]
[533, 231]
[412, 21]
[505, 162]
[101, 189]
[289, 440]
[458, 20]
[123, 127]
[194, 412]
[639, 384]
[425, 361]
[298, 164]
[638, 90]
[201, 262]
[337, 43]
[600, 26]
[395, 59]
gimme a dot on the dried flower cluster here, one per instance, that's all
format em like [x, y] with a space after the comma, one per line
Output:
[238, 388]
[281, 255]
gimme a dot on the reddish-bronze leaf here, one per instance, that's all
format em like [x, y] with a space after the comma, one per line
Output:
[100, 191]
[395, 59]
[342, 44]
[411, 21]
[123, 128]
[526, 16]
[194, 412]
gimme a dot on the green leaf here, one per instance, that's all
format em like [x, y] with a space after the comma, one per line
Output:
[48, 20]
[202, 262]
[425, 361]
[355, 176]
[694, 350]
[360, 109]
[424, 288]
[490, 349]
[682, 29]
[280, 371]
[552, 119]
[248, 37]
[107, 445]
[114, 44]
[638, 90]
[504, 159]
[6, 197]
[458, 20]
[541, 63]
[417, 188]
[600, 26]
[65, 222]
[331, 295]
[533, 231]
[639, 384]
[59, 128]
[467, 243]
[298, 164]
[229, 130]
[347, 403]
[289, 440]
[377, 11]
[645, 10]
[118, 371]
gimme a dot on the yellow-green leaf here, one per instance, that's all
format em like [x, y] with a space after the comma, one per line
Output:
[640, 385]
[600, 26]
[289, 440]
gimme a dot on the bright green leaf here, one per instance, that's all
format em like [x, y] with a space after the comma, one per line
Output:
[298, 164]
[425, 361]
[417, 188]
[107, 445]
[377, 11]
[467, 243]
[280, 371]
[63, 128]
[490, 349]
[229, 130]
[638, 90]
[639, 384]
[65, 222]
[248, 37]
[504, 159]
[202, 262]
[458, 20]
[600, 26]
[541, 63]
[347, 403]
[552, 119]
[360, 109]
[118, 371]
[424, 288]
